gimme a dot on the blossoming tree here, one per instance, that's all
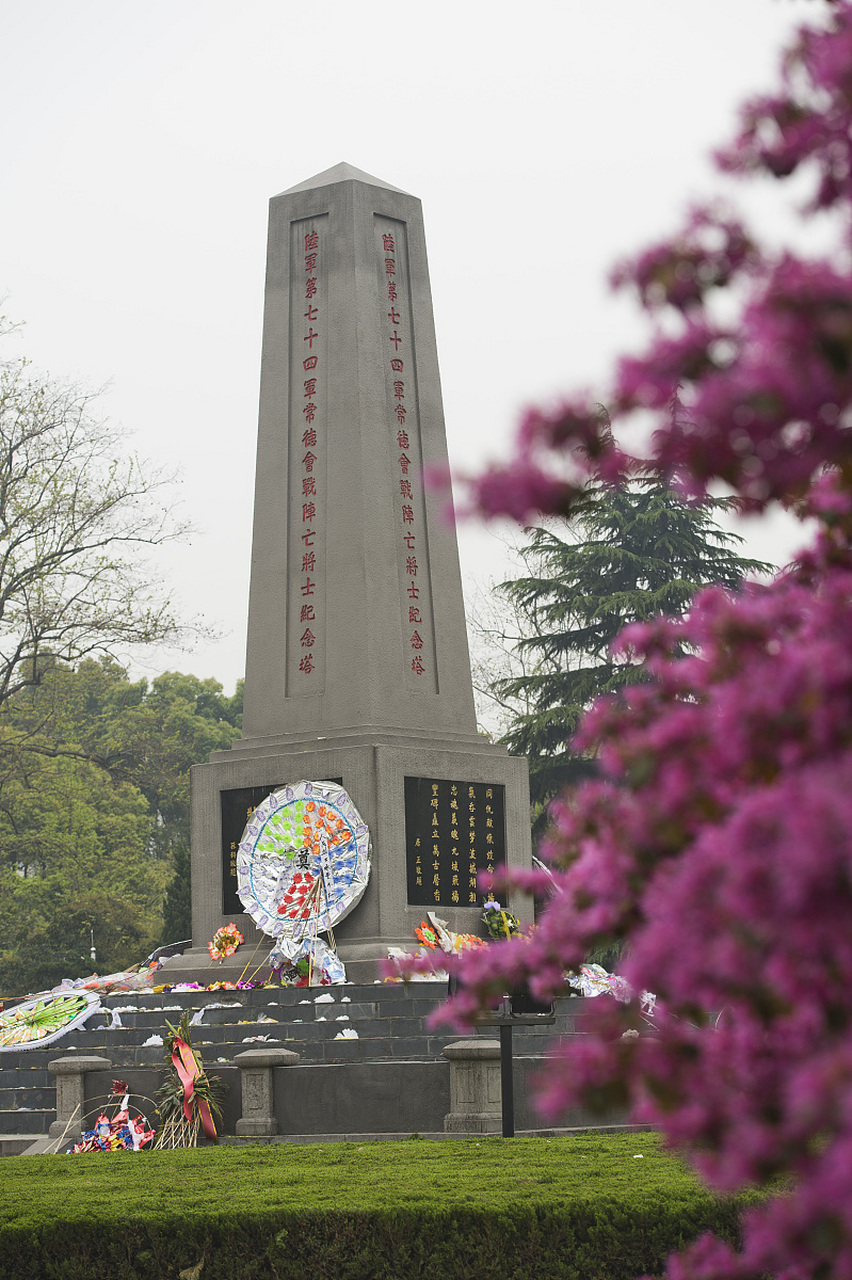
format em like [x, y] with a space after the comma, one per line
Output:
[718, 844]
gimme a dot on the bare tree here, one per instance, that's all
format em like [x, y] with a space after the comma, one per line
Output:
[495, 629]
[77, 513]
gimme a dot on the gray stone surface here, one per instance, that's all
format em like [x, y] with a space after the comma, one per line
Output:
[357, 663]
[256, 1067]
[475, 1096]
[362, 1097]
[71, 1075]
[362, 677]
[393, 1080]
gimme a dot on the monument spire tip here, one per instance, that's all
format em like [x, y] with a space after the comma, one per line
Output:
[342, 172]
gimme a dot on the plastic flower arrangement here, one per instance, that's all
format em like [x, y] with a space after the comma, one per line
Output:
[438, 936]
[39, 1020]
[499, 923]
[225, 942]
[427, 935]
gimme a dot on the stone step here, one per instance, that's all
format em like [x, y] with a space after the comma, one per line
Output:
[154, 1019]
[12, 1144]
[390, 1022]
[391, 1038]
[21, 1121]
[33, 1078]
[317, 1051]
[215, 1028]
[24, 1098]
[387, 993]
[416, 1011]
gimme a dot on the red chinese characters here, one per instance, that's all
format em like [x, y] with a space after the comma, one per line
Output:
[401, 383]
[311, 438]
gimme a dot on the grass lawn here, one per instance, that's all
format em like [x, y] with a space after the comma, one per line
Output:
[478, 1172]
[177, 1210]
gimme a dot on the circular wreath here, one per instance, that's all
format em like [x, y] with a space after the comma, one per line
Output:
[304, 860]
[37, 1023]
[225, 942]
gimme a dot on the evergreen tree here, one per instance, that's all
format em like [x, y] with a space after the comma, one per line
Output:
[177, 904]
[630, 554]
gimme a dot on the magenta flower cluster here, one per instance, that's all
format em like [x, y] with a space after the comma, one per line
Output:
[718, 840]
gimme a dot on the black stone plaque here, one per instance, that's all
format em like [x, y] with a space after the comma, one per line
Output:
[237, 807]
[453, 830]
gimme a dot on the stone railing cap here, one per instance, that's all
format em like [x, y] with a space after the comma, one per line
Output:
[266, 1058]
[72, 1066]
[472, 1049]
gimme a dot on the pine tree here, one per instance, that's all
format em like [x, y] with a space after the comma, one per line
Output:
[631, 554]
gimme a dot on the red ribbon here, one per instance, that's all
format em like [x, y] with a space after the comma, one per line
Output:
[186, 1065]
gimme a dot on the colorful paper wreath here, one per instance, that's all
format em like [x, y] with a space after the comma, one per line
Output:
[37, 1023]
[119, 1132]
[225, 942]
[304, 860]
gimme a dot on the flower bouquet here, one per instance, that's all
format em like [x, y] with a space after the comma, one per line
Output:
[498, 922]
[425, 934]
[225, 942]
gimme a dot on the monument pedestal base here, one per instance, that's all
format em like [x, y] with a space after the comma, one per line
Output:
[195, 965]
[477, 787]
[363, 960]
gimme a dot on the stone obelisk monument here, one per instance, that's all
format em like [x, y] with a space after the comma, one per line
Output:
[357, 665]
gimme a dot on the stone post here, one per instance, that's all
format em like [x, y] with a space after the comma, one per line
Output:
[258, 1108]
[474, 1087]
[71, 1091]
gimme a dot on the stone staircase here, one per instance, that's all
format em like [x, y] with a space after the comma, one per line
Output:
[389, 1022]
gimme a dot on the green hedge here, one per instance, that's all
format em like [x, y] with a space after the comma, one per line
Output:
[582, 1208]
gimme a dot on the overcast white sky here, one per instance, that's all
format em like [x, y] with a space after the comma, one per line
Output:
[143, 141]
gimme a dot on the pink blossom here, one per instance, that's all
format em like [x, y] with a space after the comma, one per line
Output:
[521, 490]
[717, 840]
[712, 250]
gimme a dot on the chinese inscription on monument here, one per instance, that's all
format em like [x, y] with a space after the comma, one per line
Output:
[405, 448]
[308, 446]
[453, 830]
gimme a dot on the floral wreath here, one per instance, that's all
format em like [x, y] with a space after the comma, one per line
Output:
[38, 1022]
[225, 942]
[427, 935]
